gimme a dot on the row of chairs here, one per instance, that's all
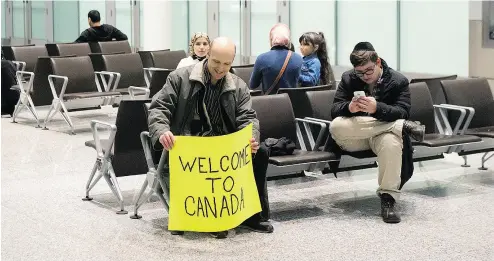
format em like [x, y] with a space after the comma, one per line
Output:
[277, 118]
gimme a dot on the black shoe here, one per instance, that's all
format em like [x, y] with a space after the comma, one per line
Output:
[414, 130]
[219, 235]
[177, 233]
[257, 226]
[388, 209]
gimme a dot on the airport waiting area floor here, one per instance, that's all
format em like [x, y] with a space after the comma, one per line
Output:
[447, 210]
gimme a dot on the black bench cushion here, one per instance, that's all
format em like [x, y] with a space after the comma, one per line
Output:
[440, 140]
[320, 102]
[302, 157]
[129, 65]
[487, 132]
[29, 55]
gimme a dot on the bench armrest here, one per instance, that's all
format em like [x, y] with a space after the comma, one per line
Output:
[96, 136]
[21, 76]
[133, 89]
[314, 145]
[463, 113]
[111, 84]
[52, 86]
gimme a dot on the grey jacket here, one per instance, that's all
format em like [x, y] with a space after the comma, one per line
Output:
[173, 107]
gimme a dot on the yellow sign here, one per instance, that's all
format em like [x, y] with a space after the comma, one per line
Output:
[212, 185]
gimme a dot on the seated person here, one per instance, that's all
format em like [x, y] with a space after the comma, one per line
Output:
[98, 32]
[377, 121]
[316, 69]
[9, 97]
[198, 50]
[219, 103]
[268, 66]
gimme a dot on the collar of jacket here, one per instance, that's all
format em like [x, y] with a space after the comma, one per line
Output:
[311, 56]
[197, 74]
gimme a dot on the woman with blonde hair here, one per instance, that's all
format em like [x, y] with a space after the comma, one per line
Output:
[198, 50]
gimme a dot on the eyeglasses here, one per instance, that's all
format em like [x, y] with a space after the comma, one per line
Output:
[367, 72]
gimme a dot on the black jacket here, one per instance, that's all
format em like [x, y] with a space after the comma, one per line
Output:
[102, 33]
[393, 103]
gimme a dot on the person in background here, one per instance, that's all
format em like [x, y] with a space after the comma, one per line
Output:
[98, 32]
[316, 69]
[198, 50]
[269, 67]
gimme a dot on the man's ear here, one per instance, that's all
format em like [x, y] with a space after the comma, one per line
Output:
[378, 62]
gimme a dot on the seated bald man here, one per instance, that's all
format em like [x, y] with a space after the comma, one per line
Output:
[206, 100]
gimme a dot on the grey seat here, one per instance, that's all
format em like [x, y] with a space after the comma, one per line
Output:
[167, 59]
[29, 55]
[125, 156]
[277, 120]
[110, 47]
[422, 110]
[244, 72]
[129, 66]
[63, 49]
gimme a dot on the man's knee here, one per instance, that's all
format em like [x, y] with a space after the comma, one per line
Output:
[389, 143]
[339, 126]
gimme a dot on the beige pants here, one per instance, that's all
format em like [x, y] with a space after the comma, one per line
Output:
[383, 138]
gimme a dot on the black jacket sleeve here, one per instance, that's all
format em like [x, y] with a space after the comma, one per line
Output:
[400, 109]
[342, 99]
[83, 37]
[118, 35]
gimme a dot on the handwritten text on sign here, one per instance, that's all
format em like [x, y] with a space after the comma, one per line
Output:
[212, 185]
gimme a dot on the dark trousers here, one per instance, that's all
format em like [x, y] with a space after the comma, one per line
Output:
[260, 166]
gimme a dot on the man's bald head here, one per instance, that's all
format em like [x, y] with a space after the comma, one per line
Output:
[221, 55]
[224, 43]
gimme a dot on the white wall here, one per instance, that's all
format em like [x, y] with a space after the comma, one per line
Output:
[156, 25]
[435, 37]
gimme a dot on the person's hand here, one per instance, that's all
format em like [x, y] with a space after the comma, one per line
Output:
[254, 145]
[167, 140]
[367, 104]
[353, 107]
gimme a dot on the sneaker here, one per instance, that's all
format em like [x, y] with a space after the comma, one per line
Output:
[219, 235]
[388, 212]
[261, 227]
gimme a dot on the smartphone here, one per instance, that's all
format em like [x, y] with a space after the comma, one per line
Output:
[358, 94]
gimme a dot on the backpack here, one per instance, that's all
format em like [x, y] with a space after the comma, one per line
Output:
[280, 147]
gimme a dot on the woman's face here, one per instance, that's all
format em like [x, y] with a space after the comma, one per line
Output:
[201, 47]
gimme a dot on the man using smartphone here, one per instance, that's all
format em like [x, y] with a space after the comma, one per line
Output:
[370, 111]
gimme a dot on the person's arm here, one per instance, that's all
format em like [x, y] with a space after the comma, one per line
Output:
[162, 109]
[118, 35]
[82, 38]
[244, 113]
[311, 76]
[342, 99]
[256, 76]
[400, 109]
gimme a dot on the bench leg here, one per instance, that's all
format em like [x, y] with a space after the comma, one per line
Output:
[54, 107]
[33, 111]
[18, 108]
[484, 159]
[113, 182]
[89, 186]
[138, 204]
[465, 160]
[65, 115]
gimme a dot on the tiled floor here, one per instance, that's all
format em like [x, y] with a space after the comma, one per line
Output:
[447, 210]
